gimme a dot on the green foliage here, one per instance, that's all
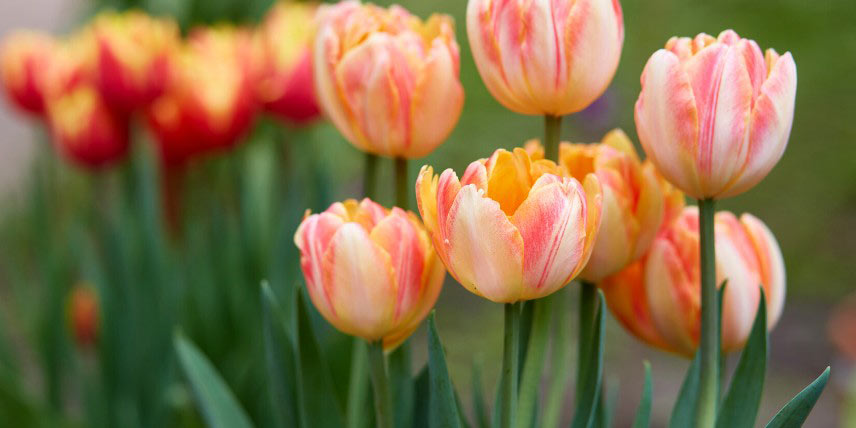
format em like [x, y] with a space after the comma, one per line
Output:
[591, 373]
[643, 412]
[443, 409]
[796, 411]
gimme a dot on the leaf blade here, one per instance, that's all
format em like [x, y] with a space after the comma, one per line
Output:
[592, 369]
[643, 412]
[796, 411]
[443, 408]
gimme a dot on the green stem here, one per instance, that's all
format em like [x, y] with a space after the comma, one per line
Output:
[383, 407]
[552, 131]
[358, 385]
[401, 194]
[509, 364]
[370, 176]
[588, 305]
[533, 367]
[709, 343]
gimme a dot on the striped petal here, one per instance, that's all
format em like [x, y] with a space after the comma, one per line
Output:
[312, 238]
[402, 241]
[736, 263]
[673, 297]
[485, 250]
[771, 264]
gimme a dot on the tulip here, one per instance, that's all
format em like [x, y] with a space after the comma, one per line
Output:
[83, 315]
[511, 229]
[715, 114]
[371, 272]
[634, 200]
[386, 79]
[24, 57]
[546, 57]
[131, 57]
[210, 100]
[285, 38]
[658, 298]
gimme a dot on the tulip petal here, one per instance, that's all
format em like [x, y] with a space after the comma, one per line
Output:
[312, 238]
[401, 240]
[426, 197]
[627, 300]
[771, 263]
[485, 250]
[673, 297]
[737, 264]
[360, 280]
[667, 120]
[552, 223]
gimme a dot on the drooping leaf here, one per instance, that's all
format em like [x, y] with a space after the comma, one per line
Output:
[796, 411]
[643, 412]
[443, 409]
[216, 401]
[279, 360]
[318, 406]
[741, 403]
[592, 370]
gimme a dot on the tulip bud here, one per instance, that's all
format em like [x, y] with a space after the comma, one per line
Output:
[130, 62]
[285, 38]
[511, 229]
[546, 57]
[658, 298]
[634, 199]
[387, 80]
[24, 57]
[371, 272]
[715, 114]
[210, 100]
[83, 315]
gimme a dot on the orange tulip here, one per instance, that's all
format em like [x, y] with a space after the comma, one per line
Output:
[658, 298]
[210, 101]
[387, 80]
[715, 114]
[511, 229]
[546, 57]
[285, 38]
[371, 272]
[131, 57]
[24, 57]
[83, 315]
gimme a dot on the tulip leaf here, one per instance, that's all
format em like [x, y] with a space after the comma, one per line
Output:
[643, 412]
[591, 370]
[279, 360]
[560, 361]
[421, 400]
[217, 403]
[796, 411]
[443, 408]
[479, 405]
[533, 367]
[401, 383]
[527, 312]
[318, 406]
[740, 407]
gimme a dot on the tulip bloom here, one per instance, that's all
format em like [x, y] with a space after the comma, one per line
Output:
[210, 101]
[83, 315]
[658, 298]
[511, 229]
[634, 200]
[24, 57]
[387, 80]
[285, 40]
[546, 57]
[131, 57]
[371, 272]
[715, 114]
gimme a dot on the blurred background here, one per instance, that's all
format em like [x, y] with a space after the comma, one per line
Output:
[61, 226]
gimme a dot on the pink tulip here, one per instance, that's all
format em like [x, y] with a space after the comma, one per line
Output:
[546, 57]
[658, 298]
[371, 272]
[715, 114]
[511, 229]
[387, 80]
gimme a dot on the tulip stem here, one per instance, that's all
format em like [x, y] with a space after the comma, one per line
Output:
[509, 364]
[401, 196]
[380, 381]
[370, 176]
[709, 343]
[552, 131]
[588, 305]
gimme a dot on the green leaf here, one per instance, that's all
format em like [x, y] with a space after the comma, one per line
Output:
[279, 360]
[479, 405]
[421, 386]
[319, 407]
[684, 411]
[560, 360]
[592, 370]
[217, 403]
[401, 385]
[527, 312]
[443, 411]
[534, 365]
[740, 407]
[643, 412]
[796, 411]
